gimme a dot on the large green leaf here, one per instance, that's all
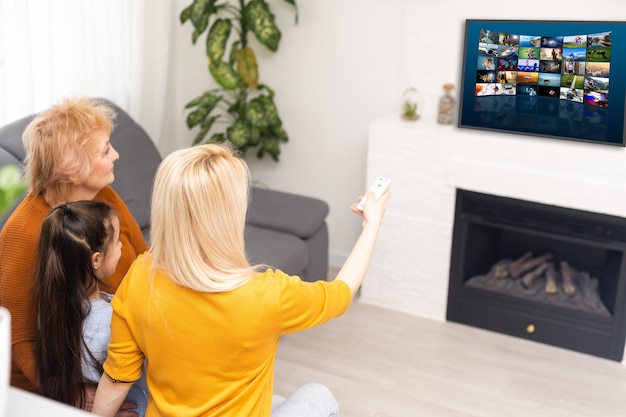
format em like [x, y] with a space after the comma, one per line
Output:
[217, 138]
[247, 68]
[271, 113]
[205, 105]
[225, 75]
[255, 136]
[204, 129]
[200, 11]
[255, 113]
[261, 23]
[280, 133]
[217, 38]
[185, 14]
[208, 100]
[234, 47]
[197, 116]
[195, 102]
[271, 146]
[239, 134]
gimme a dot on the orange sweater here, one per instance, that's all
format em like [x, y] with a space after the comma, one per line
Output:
[18, 254]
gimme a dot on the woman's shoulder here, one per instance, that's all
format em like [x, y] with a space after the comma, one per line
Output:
[109, 195]
[276, 279]
[27, 217]
[138, 271]
[294, 284]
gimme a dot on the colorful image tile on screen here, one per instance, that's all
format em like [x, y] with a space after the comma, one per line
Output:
[553, 67]
[548, 91]
[508, 39]
[530, 41]
[487, 49]
[528, 65]
[554, 54]
[488, 36]
[572, 94]
[575, 41]
[599, 40]
[527, 78]
[529, 52]
[508, 51]
[598, 54]
[486, 63]
[547, 79]
[507, 64]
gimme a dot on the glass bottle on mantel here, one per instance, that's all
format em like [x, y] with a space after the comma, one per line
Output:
[446, 106]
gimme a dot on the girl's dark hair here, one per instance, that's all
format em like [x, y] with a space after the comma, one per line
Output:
[65, 279]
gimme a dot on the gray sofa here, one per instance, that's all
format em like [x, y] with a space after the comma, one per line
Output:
[284, 230]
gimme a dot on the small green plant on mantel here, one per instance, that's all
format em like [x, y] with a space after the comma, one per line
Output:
[242, 104]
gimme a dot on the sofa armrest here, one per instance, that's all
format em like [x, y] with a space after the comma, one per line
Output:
[286, 212]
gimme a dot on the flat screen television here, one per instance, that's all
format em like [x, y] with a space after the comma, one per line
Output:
[558, 79]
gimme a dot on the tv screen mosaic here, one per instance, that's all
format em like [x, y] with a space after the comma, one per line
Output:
[555, 79]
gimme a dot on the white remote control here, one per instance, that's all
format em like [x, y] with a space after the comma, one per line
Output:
[378, 188]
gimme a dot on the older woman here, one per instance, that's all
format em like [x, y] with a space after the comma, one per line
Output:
[68, 158]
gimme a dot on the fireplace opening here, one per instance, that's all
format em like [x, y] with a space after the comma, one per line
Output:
[545, 273]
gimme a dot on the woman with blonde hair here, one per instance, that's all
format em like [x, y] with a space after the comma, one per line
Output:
[206, 321]
[69, 157]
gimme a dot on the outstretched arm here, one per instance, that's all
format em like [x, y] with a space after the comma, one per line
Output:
[353, 270]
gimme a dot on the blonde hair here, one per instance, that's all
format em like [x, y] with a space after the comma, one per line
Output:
[55, 144]
[199, 204]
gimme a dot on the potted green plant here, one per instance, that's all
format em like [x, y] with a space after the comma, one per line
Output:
[12, 186]
[245, 106]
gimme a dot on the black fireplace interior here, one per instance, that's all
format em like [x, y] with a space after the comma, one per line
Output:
[540, 272]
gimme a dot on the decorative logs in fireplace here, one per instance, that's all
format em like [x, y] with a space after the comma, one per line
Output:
[537, 278]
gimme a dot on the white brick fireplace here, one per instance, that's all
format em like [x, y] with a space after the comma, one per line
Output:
[428, 162]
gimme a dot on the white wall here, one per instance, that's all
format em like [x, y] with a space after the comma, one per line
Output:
[334, 73]
[342, 67]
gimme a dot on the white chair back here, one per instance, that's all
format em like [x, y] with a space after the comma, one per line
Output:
[5, 357]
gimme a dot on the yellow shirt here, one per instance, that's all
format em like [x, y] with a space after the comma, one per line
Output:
[211, 354]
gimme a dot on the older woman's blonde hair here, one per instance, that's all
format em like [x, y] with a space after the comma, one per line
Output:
[55, 145]
[199, 205]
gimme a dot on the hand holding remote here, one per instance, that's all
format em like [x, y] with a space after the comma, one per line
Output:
[378, 188]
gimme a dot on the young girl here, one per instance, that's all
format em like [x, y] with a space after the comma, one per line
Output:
[206, 322]
[79, 245]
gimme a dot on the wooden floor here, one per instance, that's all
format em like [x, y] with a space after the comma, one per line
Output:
[380, 362]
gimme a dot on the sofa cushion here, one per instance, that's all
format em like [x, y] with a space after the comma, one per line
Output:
[6, 158]
[11, 138]
[136, 168]
[287, 252]
[287, 212]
